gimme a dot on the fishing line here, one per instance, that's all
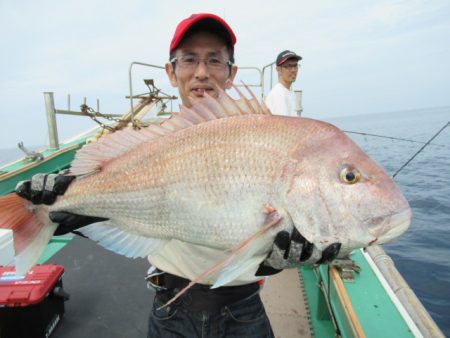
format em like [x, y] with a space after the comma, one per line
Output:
[389, 137]
[420, 150]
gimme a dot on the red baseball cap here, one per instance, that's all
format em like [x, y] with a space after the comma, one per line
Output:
[210, 21]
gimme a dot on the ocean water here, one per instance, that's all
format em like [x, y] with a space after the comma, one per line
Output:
[422, 254]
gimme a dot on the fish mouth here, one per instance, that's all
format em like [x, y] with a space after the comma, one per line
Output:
[378, 230]
[389, 227]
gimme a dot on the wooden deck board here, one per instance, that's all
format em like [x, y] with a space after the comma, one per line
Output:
[285, 305]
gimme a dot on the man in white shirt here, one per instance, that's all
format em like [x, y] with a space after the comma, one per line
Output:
[281, 99]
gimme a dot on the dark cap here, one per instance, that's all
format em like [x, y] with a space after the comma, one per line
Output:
[207, 20]
[286, 55]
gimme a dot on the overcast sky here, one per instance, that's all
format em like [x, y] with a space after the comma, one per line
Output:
[359, 57]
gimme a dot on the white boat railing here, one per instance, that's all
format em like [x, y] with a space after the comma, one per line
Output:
[422, 324]
[51, 111]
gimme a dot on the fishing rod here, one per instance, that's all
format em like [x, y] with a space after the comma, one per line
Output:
[390, 137]
[421, 149]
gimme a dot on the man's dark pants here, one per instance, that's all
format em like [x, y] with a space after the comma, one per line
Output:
[245, 318]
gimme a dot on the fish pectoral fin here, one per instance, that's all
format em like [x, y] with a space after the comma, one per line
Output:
[240, 260]
[247, 254]
[121, 242]
[239, 266]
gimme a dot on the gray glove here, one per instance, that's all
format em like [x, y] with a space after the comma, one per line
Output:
[293, 250]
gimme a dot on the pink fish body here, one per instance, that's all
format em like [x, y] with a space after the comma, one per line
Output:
[208, 176]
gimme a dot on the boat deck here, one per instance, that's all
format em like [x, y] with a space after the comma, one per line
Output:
[109, 297]
[284, 301]
[108, 293]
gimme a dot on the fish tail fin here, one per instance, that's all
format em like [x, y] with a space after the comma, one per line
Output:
[238, 261]
[31, 227]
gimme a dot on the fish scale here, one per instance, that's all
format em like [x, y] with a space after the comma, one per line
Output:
[199, 183]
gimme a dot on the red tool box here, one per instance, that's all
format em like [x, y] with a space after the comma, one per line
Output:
[31, 305]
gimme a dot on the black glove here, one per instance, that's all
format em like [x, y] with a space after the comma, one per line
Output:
[293, 250]
[68, 222]
[44, 189]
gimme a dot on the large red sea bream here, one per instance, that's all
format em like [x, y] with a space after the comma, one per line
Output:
[210, 176]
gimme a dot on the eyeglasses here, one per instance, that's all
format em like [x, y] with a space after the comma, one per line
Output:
[192, 61]
[291, 66]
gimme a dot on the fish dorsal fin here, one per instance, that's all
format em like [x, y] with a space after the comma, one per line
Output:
[93, 156]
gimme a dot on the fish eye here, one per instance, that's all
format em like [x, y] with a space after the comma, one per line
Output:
[349, 175]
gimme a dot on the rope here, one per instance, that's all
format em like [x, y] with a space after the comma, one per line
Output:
[420, 150]
[93, 114]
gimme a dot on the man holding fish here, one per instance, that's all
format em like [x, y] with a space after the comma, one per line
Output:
[201, 61]
[222, 181]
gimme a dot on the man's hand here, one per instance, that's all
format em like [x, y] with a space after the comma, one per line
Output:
[293, 250]
[68, 222]
[44, 189]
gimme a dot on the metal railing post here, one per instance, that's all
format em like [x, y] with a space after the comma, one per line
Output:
[51, 120]
[264, 77]
[298, 102]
